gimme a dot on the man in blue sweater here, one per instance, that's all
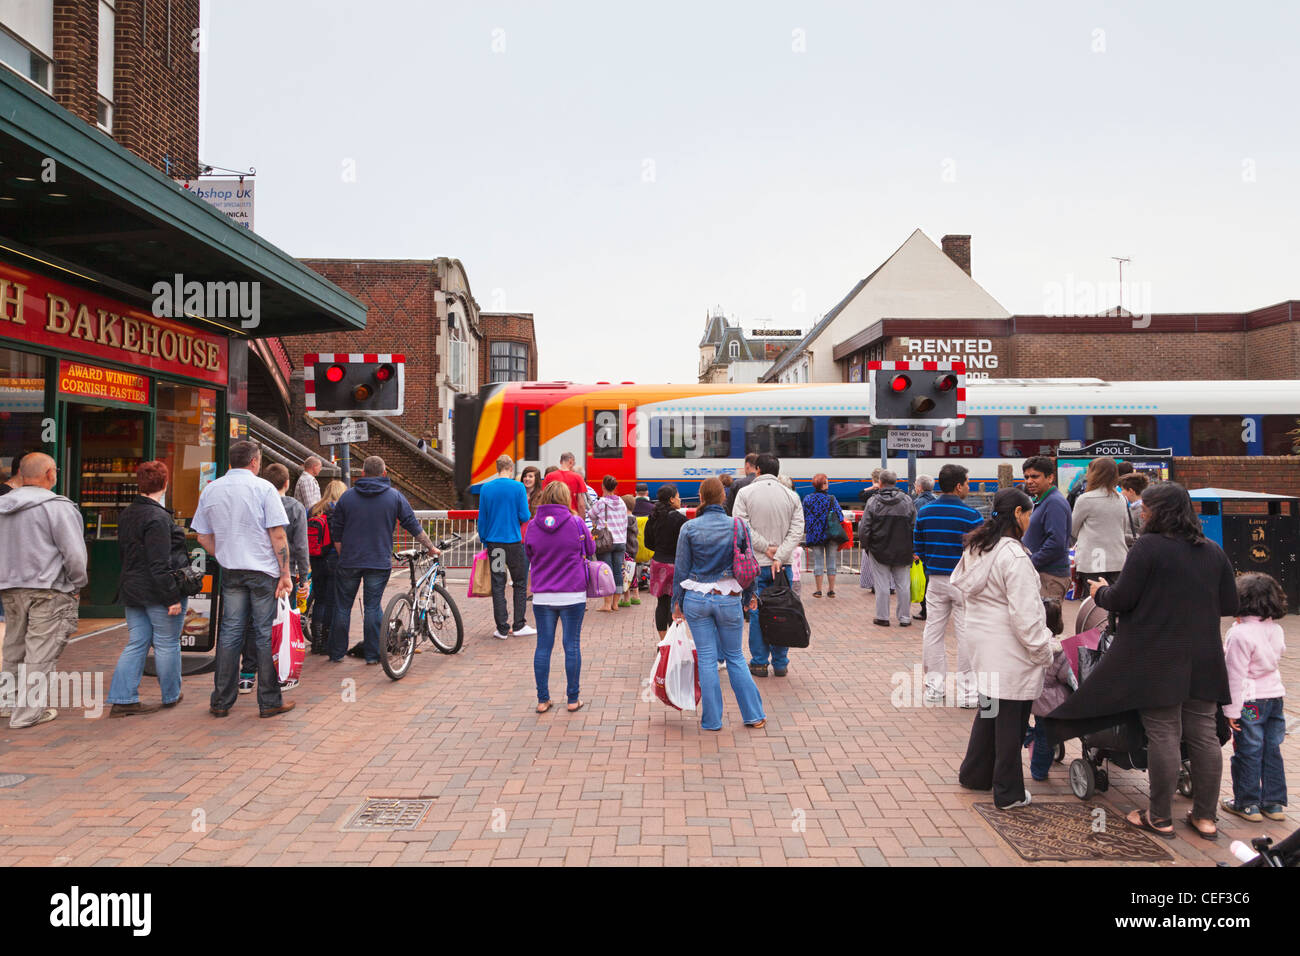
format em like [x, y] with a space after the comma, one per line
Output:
[361, 526]
[1048, 537]
[937, 540]
[502, 508]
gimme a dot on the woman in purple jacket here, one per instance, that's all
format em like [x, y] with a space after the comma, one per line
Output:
[558, 545]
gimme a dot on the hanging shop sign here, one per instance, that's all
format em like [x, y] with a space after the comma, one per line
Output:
[78, 380]
[41, 311]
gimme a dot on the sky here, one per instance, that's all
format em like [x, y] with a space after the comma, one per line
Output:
[620, 170]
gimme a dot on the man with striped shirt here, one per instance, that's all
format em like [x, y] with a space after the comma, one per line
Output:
[937, 540]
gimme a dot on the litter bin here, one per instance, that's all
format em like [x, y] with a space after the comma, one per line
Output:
[1259, 532]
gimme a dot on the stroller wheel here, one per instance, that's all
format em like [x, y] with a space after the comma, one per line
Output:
[1060, 753]
[1185, 779]
[1083, 779]
[1103, 780]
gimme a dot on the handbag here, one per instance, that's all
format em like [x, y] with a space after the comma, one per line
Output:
[603, 537]
[835, 532]
[600, 579]
[661, 578]
[781, 618]
[189, 580]
[744, 567]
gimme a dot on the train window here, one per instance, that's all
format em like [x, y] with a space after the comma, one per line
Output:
[532, 424]
[1218, 435]
[690, 436]
[1120, 427]
[959, 441]
[855, 438]
[1274, 434]
[1024, 437]
[606, 441]
[785, 437]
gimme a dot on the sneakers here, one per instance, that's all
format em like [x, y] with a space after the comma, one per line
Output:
[290, 684]
[46, 716]
[500, 637]
[1019, 803]
[1274, 811]
[1250, 812]
[879, 623]
[722, 665]
[778, 671]
[971, 702]
[126, 710]
[934, 693]
[524, 631]
[245, 684]
[758, 670]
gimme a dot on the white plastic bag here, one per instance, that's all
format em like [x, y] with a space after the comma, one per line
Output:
[676, 674]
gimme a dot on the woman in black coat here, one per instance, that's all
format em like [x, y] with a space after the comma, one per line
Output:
[1166, 662]
[661, 531]
[152, 548]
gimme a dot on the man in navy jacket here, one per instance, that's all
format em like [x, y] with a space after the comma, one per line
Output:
[1048, 537]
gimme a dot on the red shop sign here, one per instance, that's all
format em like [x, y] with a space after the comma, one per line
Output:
[91, 381]
[41, 311]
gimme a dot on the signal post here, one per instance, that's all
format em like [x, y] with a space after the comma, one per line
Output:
[916, 395]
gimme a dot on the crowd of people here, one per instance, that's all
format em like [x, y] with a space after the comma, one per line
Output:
[1135, 547]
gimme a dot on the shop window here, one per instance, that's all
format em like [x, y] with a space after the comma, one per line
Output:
[785, 437]
[690, 437]
[1219, 435]
[509, 362]
[1274, 434]
[1121, 427]
[185, 437]
[22, 407]
[1024, 437]
[959, 441]
[855, 438]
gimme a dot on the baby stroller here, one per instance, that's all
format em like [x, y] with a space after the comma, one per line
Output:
[1124, 745]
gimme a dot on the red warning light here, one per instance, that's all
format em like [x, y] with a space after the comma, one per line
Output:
[945, 383]
[334, 373]
[900, 383]
[384, 373]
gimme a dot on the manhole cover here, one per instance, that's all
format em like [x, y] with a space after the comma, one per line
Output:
[11, 779]
[389, 814]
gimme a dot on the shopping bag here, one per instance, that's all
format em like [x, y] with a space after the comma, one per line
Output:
[847, 543]
[918, 581]
[480, 577]
[676, 675]
[288, 647]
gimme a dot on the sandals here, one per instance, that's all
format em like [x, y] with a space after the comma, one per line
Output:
[543, 707]
[1145, 823]
[574, 709]
[817, 594]
[1191, 822]
[830, 594]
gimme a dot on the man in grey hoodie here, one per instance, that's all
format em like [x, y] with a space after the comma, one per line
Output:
[42, 569]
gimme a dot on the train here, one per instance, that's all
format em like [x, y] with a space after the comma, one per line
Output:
[683, 434]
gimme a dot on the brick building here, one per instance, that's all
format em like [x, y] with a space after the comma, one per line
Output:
[509, 352]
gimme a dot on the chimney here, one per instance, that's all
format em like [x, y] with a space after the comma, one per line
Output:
[957, 248]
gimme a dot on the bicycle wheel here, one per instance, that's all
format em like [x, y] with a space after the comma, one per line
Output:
[443, 621]
[398, 639]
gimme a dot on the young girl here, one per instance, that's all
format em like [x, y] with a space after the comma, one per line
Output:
[1058, 683]
[1253, 649]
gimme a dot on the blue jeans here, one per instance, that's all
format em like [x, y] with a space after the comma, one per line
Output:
[346, 583]
[149, 627]
[717, 622]
[759, 651]
[247, 601]
[1041, 751]
[615, 561]
[547, 616]
[1258, 779]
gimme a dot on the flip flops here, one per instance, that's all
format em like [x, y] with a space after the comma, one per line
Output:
[1144, 823]
[1212, 835]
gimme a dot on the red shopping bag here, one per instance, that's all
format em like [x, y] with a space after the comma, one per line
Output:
[676, 672]
[288, 648]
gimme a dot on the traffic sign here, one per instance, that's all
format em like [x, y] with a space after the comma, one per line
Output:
[339, 384]
[901, 439]
[346, 432]
[917, 393]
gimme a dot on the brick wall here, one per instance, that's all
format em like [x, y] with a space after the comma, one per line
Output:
[1129, 356]
[506, 327]
[1271, 475]
[1271, 353]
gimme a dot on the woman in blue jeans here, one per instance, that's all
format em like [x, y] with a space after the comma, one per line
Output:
[708, 597]
[558, 546]
[152, 547]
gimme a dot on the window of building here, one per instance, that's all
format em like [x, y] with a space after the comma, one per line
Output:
[855, 438]
[690, 436]
[27, 41]
[785, 437]
[1219, 435]
[509, 362]
[22, 407]
[959, 441]
[1274, 435]
[458, 349]
[734, 350]
[1023, 437]
[1121, 427]
[107, 60]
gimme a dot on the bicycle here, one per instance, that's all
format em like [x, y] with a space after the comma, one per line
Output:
[425, 611]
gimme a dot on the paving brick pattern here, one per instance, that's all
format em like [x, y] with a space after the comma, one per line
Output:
[840, 774]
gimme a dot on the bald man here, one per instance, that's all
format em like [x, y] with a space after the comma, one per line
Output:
[42, 569]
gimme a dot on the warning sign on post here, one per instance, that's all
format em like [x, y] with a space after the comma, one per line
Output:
[901, 439]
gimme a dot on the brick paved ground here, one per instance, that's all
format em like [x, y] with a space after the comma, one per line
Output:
[624, 781]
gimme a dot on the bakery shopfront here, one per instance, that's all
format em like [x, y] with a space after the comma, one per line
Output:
[92, 371]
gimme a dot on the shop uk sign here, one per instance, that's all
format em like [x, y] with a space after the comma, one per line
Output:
[978, 354]
[234, 197]
[40, 311]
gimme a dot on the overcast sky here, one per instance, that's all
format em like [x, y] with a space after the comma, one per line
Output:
[620, 169]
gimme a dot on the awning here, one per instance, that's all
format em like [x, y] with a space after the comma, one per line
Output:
[117, 224]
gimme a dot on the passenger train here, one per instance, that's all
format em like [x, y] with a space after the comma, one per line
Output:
[686, 433]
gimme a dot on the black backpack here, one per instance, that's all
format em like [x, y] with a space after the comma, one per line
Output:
[781, 617]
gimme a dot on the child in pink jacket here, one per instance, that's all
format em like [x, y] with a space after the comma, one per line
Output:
[1253, 649]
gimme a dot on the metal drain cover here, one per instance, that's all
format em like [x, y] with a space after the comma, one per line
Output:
[389, 814]
[11, 779]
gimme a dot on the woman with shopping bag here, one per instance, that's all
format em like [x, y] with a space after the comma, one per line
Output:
[662, 530]
[712, 585]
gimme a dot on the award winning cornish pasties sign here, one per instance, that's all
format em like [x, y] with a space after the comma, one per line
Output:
[41, 311]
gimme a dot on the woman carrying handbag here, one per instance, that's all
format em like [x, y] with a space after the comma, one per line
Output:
[609, 530]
